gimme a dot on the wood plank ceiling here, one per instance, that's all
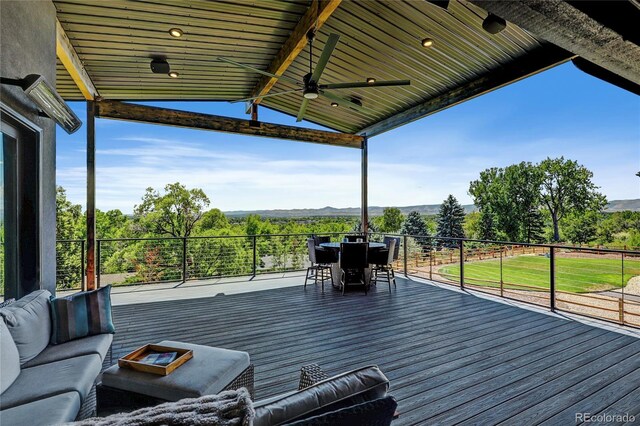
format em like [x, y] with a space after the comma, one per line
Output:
[117, 39]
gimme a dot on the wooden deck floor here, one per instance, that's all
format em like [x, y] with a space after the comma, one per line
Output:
[451, 357]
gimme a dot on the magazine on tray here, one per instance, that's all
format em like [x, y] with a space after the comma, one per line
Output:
[159, 358]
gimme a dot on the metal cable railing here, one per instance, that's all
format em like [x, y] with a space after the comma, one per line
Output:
[598, 282]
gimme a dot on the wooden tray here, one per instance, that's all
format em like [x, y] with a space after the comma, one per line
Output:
[131, 359]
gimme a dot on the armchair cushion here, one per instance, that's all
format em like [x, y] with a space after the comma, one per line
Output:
[29, 323]
[340, 391]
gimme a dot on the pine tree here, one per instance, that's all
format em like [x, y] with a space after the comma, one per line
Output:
[450, 221]
[533, 231]
[415, 225]
[487, 225]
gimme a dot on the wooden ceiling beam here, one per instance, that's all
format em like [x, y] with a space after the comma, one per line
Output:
[534, 62]
[314, 17]
[192, 120]
[69, 58]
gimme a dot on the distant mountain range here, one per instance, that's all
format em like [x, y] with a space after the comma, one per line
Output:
[427, 209]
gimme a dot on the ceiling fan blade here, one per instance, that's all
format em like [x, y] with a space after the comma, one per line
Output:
[331, 43]
[355, 85]
[346, 102]
[249, 67]
[266, 96]
[303, 109]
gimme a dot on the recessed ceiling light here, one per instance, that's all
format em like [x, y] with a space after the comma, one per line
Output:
[427, 42]
[371, 80]
[174, 74]
[334, 104]
[176, 32]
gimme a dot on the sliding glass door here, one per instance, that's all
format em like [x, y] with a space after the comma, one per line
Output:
[8, 210]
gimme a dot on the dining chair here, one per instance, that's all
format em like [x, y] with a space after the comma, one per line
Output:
[321, 261]
[353, 263]
[383, 261]
[396, 250]
[321, 239]
[355, 238]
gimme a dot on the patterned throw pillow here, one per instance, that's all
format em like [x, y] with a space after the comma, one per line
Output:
[80, 315]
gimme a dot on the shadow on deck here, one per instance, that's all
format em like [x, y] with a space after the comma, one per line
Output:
[451, 357]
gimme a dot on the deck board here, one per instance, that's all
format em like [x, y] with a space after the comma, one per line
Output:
[451, 357]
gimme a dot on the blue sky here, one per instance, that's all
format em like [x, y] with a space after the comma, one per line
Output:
[558, 112]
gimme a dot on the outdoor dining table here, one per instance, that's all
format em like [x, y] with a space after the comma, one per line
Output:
[335, 267]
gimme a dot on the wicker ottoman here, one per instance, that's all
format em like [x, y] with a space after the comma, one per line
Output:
[210, 371]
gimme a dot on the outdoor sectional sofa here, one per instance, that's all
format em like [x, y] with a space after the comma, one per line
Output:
[43, 384]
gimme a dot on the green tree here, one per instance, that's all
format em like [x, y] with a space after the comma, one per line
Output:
[450, 220]
[508, 199]
[69, 218]
[212, 219]
[581, 228]
[173, 213]
[111, 224]
[69, 225]
[567, 188]
[391, 219]
[414, 224]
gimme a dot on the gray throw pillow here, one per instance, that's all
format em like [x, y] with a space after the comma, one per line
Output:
[29, 322]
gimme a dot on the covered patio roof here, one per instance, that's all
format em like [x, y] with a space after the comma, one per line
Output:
[115, 41]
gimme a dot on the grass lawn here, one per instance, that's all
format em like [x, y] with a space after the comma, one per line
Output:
[578, 275]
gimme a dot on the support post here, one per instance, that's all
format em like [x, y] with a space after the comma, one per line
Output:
[501, 278]
[552, 278]
[98, 249]
[364, 190]
[83, 282]
[91, 196]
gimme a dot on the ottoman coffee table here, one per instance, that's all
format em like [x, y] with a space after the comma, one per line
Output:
[210, 371]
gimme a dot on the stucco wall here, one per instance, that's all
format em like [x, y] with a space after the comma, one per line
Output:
[28, 46]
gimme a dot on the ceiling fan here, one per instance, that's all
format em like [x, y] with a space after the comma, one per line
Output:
[310, 86]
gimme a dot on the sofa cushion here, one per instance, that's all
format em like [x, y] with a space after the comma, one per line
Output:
[42, 381]
[53, 410]
[98, 344]
[82, 314]
[207, 373]
[29, 322]
[9, 358]
[343, 390]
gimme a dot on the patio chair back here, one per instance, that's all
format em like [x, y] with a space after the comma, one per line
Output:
[354, 255]
[392, 251]
[311, 246]
[321, 239]
[354, 238]
[396, 250]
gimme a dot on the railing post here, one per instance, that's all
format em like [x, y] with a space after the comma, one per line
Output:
[621, 300]
[404, 251]
[254, 269]
[430, 262]
[184, 259]
[501, 278]
[552, 277]
[461, 263]
[83, 282]
[98, 250]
